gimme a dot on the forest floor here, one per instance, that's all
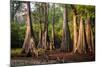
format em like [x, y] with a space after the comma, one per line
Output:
[52, 57]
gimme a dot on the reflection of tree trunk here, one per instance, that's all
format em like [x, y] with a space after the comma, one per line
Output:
[89, 36]
[29, 42]
[75, 33]
[53, 33]
[66, 40]
[81, 44]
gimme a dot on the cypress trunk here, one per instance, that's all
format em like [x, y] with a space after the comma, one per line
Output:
[45, 37]
[29, 41]
[66, 40]
[75, 33]
[40, 31]
[81, 44]
[53, 33]
[89, 36]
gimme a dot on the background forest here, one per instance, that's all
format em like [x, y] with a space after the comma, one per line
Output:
[52, 26]
[55, 13]
[52, 31]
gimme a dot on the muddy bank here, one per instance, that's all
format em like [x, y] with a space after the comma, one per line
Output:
[52, 59]
[30, 61]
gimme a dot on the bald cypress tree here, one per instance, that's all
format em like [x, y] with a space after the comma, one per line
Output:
[81, 44]
[89, 36]
[75, 34]
[52, 45]
[29, 41]
[66, 40]
[75, 38]
[45, 37]
[40, 45]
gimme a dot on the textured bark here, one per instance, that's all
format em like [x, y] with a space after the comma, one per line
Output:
[66, 40]
[74, 28]
[29, 42]
[45, 38]
[81, 44]
[89, 36]
[75, 33]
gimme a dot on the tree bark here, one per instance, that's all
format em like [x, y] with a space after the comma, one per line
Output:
[81, 44]
[66, 40]
[53, 33]
[75, 33]
[29, 41]
[74, 28]
[45, 38]
[89, 36]
[40, 31]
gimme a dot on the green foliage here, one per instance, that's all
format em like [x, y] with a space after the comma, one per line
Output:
[85, 11]
[17, 34]
[18, 29]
